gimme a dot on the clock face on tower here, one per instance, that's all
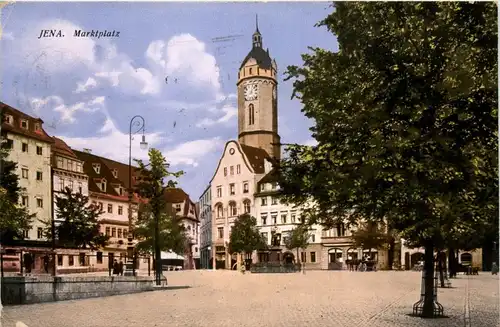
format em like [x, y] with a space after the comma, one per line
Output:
[250, 92]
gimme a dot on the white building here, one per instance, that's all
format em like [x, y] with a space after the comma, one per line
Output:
[30, 148]
[205, 216]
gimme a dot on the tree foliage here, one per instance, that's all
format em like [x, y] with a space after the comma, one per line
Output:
[172, 234]
[405, 118]
[245, 236]
[298, 237]
[370, 236]
[79, 225]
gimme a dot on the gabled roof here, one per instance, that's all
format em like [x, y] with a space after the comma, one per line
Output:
[61, 147]
[175, 195]
[262, 57]
[16, 128]
[256, 157]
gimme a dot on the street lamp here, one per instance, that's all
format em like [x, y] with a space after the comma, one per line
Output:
[137, 121]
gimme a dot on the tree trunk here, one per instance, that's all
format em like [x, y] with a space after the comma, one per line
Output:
[304, 263]
[158, 268]
[452, 267]
[298, 258]
[428, 309]
[441, 270]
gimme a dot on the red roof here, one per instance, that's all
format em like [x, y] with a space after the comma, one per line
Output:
[15, 126]
[61, 147]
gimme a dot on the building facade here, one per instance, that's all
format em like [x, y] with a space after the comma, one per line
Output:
[205, 215]
[186, 212]
[30, 147]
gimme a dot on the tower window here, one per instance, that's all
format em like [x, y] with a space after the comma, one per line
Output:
[250, 71]
[251, 115]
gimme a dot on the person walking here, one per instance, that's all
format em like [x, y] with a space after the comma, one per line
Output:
[120, 268]
[494, 269]
[116, 267]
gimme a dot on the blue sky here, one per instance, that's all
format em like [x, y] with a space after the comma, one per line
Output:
[86, 89]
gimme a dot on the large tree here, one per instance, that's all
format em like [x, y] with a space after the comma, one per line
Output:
[150, 188]
[405, 117]
[245, 236]
[298, 239]
[78, 224]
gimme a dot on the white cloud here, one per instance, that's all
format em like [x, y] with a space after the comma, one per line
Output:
[311, 142]
[6, 36]
[82, 87]
[67, 112]
[229, 112]
[188, 153]
[111, 77]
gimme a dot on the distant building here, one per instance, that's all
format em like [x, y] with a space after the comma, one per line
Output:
[185, 210]
[30, 148]
[205, 216]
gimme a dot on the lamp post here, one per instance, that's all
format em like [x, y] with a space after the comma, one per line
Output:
[137, 121]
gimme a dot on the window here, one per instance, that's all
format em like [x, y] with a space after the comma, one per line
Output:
[59, 162]
[233, 211]
[115, 173]
[71, 260]
[119, 233]
[103, 185]
[61, 184]
[250, 71]
[71, 185]
[101, 205]
[274, 201]
[78, 167]
[80, 188]
[196, 250]
[263, 201]
[251, 113]
[70, 165]
[8, 119]
[39, 150]
[313, 238]
[262, 187]
[246, 205]
[264, 220]
[313, 256]
[293, 217]
[24, 200]
[120, 210]
[238, 169]
[219, 191]
[125, 233]
[110, 208]
[39, 203]
[303, 256]
[39, 233]
[220, 232]
[113, 232]
[178, 207]
[274, 219]
[220, 212]
[340, 229]
[231, 189]
[231, 170]
[245, 188]
[59, 260]
[26, 234]
[25, 147]
[264, 236]
[24, 124]
[99, 257]
[225, 171]
[97, 167]
[37, 127]
[283, 218]
[39, 176]
[24, 173]
[108, 229]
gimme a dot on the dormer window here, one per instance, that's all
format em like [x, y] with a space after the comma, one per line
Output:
[24, 124]
[97, 167]
[8, 119]
[115, 173]
[103, 185]
[37, 127]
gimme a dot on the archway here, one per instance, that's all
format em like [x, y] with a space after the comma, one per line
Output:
[466, 259]
[415, 258]
[335, 259]
[352, 254]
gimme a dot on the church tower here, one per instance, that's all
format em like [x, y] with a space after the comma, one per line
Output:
[257, 99]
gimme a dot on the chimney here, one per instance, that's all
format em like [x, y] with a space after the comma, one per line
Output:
[87, 150]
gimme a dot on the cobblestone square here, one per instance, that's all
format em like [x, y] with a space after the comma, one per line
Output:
[317, 298]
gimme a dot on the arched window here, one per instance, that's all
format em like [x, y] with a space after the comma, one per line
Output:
[220, 212]
[246, 205]
[232, 209]
[251, 114]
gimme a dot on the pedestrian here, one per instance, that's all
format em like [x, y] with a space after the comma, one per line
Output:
[28, 262]
[121, 268]
[46, 263]
[494, 269]
[116, 267]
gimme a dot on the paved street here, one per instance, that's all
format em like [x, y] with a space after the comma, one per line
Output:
[318, 298]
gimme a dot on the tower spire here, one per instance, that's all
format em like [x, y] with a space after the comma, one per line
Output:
[257, 37]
